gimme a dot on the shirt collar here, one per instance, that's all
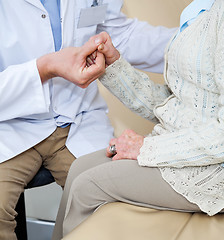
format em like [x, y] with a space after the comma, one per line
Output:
[193, 10]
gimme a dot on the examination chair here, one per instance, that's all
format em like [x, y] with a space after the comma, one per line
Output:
[43, 177]
[120, 221]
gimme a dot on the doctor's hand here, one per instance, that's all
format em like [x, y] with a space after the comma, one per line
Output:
[105, 46]
[127, 146]
[71, 64]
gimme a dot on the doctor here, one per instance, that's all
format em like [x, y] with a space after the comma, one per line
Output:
[46, 115]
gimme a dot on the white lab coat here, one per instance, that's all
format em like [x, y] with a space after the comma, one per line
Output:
[27, 108]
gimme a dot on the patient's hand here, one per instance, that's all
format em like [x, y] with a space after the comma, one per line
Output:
[127, 145]
[105, 46]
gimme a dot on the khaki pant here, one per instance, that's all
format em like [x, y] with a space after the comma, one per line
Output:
[17, 172]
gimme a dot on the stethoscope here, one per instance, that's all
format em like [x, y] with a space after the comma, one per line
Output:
[95, 3]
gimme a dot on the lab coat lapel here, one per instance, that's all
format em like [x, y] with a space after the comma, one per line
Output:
[36, 3]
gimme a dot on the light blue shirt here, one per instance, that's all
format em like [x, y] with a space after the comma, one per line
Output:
[191, 12]
[53, 9]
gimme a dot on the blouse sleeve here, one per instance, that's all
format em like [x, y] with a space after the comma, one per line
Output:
[134, 88]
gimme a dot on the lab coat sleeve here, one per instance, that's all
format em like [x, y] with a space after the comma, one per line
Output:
[21, 91]
[134, 88]
[140, 43]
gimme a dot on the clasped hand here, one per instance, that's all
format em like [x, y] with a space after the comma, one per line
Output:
[79, 65]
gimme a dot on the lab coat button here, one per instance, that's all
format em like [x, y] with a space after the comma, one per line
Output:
[43, 15]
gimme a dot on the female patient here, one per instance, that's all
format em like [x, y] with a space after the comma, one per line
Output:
[179, 165]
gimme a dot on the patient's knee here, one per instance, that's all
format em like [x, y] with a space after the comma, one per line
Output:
[86, 191]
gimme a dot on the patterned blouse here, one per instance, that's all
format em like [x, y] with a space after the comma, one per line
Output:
[187, 143]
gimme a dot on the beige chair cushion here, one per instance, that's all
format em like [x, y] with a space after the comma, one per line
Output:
[120, 221]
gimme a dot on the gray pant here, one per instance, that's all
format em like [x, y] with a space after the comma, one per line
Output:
[94, 180]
